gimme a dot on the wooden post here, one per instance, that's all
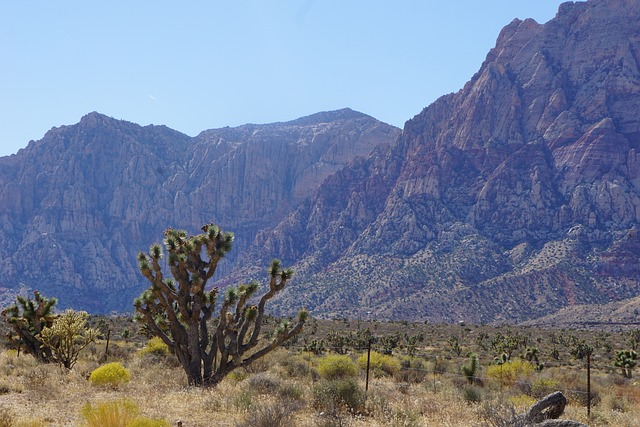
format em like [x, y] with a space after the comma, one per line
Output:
[589, 386]
[106, 349]
[366, 384]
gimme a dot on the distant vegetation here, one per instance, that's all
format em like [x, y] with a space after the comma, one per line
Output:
[419, 375]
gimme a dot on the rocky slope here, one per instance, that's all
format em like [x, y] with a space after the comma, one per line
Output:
[513, 198]
[76, 206]
[613, 316]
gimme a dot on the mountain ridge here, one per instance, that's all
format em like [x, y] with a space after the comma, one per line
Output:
[80, 203]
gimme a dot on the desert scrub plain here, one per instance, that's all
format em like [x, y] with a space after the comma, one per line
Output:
[420, 375]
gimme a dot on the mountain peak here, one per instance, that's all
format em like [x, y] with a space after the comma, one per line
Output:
[330, 116]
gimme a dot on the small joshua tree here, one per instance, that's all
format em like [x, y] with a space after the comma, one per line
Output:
[28, 317]
[470, 370]
[67, 337]
[626, 360]
[179, 310]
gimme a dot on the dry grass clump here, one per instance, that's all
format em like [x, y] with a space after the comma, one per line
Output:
[118, 413]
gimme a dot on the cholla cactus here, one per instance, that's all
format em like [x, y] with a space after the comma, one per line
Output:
[67, 337]
[178, 309]
[27, 318]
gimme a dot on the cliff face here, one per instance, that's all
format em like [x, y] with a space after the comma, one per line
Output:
[512, 198]
[76, 206]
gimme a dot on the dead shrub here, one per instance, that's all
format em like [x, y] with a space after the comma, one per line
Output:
[272, 415]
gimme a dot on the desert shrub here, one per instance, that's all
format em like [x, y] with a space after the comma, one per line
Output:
[112, 374]
[37, 378]
[118, 413]
[6, 417]
[290, 391]
[263, 382]
[440, 365]
[273, 415]
[381, 364]
[522, 402]
[412, 376]
[497, 414]
[298, 367]
[116, 352]
[332, 420]
[472, 394]
[155, 346]
[404, 417]
[334, 395]
[510, 373]
[540, 387]
[237, 376]
[578, 395]
[242, 400]
[335, 366]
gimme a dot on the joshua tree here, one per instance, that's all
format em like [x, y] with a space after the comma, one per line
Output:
[28, 318]
[531, 354]
[626, 360]
[179, 309]
[470, 370]
[454, 345]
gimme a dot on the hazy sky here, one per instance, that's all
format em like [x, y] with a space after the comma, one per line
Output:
[206, 64]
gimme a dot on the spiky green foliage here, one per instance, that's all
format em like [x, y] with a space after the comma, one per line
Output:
[27, 318]
[67, 337]
[626, 360]
[180, 309]
[470, 370]
[581, 350]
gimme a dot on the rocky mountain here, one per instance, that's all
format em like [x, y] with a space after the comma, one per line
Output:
[508, 200]
[77, 205]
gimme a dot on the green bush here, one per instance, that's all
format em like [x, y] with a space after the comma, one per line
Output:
[112, 374]
[336, 366]
[380, 364]
[509, 373]
[155, 346]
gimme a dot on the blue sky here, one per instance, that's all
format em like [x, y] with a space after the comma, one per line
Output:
[206, 64]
